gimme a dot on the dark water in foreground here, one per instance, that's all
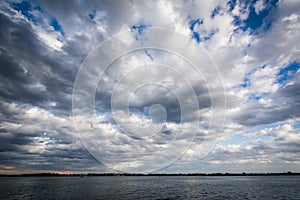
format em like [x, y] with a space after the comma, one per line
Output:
[153, 187]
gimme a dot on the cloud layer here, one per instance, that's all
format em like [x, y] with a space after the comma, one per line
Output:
[255, 46]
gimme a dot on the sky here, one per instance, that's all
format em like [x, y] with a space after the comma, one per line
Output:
[149, 86]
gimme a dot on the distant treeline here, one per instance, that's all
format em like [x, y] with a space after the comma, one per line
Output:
[137, 174]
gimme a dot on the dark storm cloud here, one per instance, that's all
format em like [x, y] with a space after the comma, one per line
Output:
[34, 75]
[16, 83]
[11, 142]
[43, 150]
[61, 160]
[156, 95]
[292, 93]
[31, 73]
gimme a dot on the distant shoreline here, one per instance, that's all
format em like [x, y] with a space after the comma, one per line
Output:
[137, 174]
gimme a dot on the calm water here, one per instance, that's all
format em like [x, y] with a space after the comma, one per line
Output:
[259, 187]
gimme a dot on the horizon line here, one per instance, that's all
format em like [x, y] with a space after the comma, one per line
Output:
[152, 174]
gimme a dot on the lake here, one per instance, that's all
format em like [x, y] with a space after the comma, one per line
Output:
[151, 187]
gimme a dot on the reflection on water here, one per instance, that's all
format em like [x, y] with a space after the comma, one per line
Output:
[143, 187]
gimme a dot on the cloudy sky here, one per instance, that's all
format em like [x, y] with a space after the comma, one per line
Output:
[143, 86]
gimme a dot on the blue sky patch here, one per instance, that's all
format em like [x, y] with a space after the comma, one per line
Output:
[26, 8]
[246, 82]
[57, 27]
[233, 139]
[297, 127]
[246, 79]
[196, 37]
[231, 5]
[287, 73]
[215, 12]
[195, 34]
[148, 54]
[253, 97]
[254, 20]
[92, 14]
[139, 28]
[194, 22]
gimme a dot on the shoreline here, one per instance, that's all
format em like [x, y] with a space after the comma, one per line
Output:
[140, 174]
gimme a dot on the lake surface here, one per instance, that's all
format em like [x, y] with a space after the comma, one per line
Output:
[151, 187]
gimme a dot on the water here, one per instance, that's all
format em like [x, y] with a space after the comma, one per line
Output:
[151, 187]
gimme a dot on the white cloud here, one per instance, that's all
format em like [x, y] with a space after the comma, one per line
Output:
[259, 6]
